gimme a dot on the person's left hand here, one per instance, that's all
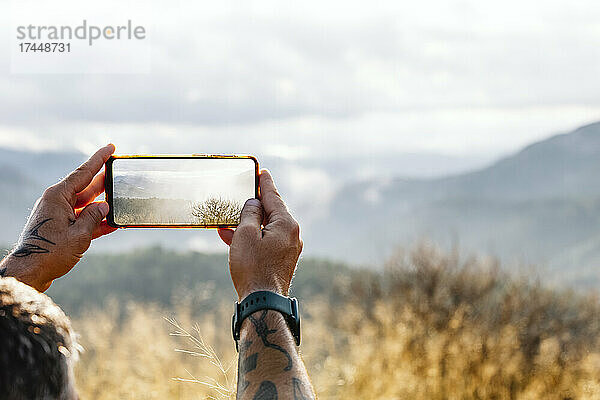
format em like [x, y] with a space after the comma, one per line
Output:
[61, 226]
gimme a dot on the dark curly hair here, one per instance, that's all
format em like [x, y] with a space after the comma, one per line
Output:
[37, 345]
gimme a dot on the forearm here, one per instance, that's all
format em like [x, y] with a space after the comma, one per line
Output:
[269, 365]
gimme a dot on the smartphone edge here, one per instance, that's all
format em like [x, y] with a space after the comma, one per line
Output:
[108, 190]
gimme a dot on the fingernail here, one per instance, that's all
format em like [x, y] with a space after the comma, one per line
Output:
[104, 208]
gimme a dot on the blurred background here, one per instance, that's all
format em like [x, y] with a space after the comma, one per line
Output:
[442, 158]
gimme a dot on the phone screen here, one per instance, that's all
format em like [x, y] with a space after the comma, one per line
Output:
[179, 191]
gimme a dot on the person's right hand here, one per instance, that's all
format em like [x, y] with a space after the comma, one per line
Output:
[263, 258]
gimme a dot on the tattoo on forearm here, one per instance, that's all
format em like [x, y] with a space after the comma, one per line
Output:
[266, 391]
[246, 365]
[300, 392]
[25, 248]
[262, 330]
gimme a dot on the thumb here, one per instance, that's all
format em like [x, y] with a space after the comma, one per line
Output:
[91, 216]
[252, 215]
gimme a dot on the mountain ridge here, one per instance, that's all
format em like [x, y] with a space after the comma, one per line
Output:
[535, 206]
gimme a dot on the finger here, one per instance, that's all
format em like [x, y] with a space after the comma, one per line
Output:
[103, 229]
[226, 235]
[89, 194]
[82, 176]
[270, 197]
[251, 218]
[91, 216]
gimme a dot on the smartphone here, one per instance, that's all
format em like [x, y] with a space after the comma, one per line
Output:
[175, 191]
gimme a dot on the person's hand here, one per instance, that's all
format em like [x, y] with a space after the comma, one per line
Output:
[61, 226]
[263, 258]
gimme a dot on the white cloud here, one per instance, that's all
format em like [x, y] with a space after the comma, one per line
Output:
[452, 131]
[314, 79]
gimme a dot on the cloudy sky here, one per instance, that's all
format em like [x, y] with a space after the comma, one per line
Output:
[465, 78]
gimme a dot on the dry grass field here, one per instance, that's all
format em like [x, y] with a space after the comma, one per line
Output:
[431, 326]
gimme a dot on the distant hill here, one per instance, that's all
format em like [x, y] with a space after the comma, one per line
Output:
[42, 168]
[165, 276]
[541, 205]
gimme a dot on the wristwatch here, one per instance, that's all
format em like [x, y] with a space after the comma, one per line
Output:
[266, 300]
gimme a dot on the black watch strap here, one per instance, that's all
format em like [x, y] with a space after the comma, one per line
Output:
[266, 300]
